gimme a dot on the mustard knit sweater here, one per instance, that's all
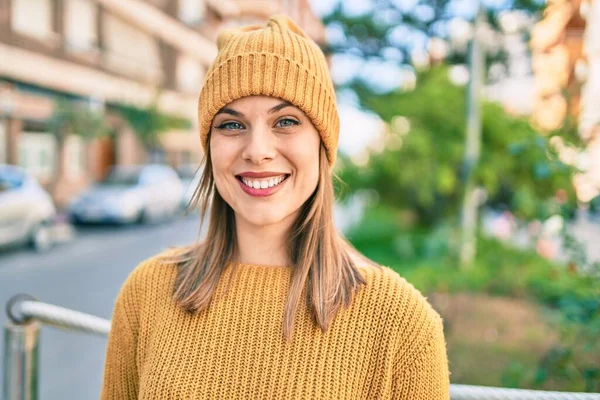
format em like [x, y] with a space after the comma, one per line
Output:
[389, 344]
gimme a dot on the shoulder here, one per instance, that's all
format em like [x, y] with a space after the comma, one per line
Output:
[391, 286]
[408, 313]
[152, 275]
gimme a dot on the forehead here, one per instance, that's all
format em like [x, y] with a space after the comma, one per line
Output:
[256, 103]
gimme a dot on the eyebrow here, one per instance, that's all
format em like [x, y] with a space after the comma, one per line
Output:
[235, 113]
[229, 111]
[280, 107]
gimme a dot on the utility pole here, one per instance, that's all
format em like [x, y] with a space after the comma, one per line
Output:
[472, 145]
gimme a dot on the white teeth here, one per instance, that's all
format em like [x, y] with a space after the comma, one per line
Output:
[263, 184]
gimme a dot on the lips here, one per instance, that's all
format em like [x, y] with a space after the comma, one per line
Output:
[259, 175]
[261, 184]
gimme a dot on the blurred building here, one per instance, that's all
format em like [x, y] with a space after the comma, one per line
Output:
[105, 54]
[566, 64]
[557, 44]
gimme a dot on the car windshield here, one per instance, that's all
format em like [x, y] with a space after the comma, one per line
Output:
[9, 180]
[187, 172]
[121, 176]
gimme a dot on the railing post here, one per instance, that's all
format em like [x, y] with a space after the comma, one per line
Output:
[21, 361]
[21, 352]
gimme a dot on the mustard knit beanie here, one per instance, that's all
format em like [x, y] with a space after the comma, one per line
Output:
[277, 60]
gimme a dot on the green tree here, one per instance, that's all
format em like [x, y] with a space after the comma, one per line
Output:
[420, 167]
[149, 123]
[393, 28]
[76, 118]
[73, 118]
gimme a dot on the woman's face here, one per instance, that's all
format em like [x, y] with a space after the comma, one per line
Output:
[265, 159]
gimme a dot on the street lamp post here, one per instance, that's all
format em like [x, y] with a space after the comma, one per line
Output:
[473, 145]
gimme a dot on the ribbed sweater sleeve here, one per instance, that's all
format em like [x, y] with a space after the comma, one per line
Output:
[425, 373]
[120, 370]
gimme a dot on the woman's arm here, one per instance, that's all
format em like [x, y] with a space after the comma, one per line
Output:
[425, 375]
[120, 370]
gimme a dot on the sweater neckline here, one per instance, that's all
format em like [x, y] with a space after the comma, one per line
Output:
[263, 266]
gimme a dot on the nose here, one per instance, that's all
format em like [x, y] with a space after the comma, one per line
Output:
[259, 146]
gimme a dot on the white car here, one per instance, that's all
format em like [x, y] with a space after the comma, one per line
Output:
[190, 176]
[27, 213]
[130, 194]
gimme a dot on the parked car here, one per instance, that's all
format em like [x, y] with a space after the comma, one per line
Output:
[130, 194]
[190, 178]
[27, 212]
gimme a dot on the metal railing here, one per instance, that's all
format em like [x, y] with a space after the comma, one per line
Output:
[22, 341]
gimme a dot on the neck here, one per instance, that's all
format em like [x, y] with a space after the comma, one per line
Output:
[263, 245]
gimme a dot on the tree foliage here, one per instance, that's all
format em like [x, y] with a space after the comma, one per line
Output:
[149, 122]
[397, 25]
[72, 118]
[420, 170]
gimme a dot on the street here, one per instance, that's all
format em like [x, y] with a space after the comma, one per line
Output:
[84, 275]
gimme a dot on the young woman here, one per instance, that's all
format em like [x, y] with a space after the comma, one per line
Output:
[274, 303]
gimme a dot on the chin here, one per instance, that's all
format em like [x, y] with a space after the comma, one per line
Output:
[263, 217]
[263, 221]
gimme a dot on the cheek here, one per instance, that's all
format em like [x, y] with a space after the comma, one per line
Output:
[307, 164]
[312, 176]
[222, 158]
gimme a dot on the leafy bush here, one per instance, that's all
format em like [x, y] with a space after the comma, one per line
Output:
[426, 259]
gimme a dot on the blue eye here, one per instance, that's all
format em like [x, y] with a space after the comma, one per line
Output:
[285, 122]
[231, 126]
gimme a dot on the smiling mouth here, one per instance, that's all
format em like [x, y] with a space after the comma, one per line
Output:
[263, 183]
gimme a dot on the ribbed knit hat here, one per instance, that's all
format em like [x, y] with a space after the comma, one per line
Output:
[277, 60]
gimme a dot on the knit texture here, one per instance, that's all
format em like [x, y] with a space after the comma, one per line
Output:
[389, 344]
[277, 60]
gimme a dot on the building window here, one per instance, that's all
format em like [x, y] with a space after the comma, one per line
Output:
[33, 18]
[75, 157]
[37, 154]
[157, 156]
[192, 12]
[80, 25]
[190, 74]
[131, 51]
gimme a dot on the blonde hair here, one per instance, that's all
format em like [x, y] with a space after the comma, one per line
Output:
[322, 259]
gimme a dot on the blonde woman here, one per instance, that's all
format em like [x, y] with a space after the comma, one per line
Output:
[274, 303]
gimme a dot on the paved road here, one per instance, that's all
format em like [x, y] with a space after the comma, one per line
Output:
[84, 275]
